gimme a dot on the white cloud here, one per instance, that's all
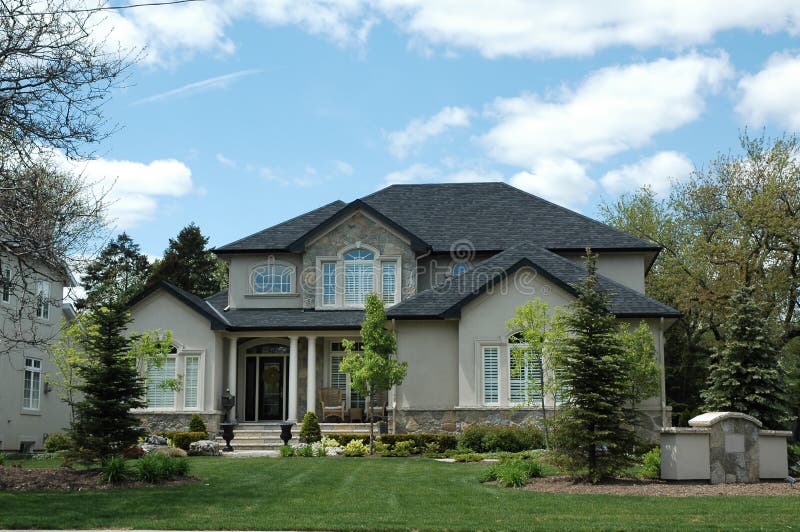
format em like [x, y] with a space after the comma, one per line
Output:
[615, 109]
[423, 173]
[224, 161]
[658, 171]
[343, 167]
[134, 188]
[772, 93]
[420, 130]
[205, 85]
[562, 181]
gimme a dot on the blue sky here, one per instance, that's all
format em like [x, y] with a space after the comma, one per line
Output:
[243, 113]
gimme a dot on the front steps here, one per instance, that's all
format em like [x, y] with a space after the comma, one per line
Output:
[266, 436]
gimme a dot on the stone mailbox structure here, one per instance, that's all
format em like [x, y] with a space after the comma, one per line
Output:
[723, 447]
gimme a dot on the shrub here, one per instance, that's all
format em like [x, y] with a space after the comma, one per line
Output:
[651, 463]
[310, 430]
[174, 452]
[513, 473]
[403, 448]
[57, 442]
[133, 452]
[183, 440]
[196, 424]
[494, 438]
[329, 442]
[287, 451]
[356, 447]
[306, 451]
[158, 468]
[114, 470]
[421, 441]
[793, 451]
[468, 457]
[2, 458]
[381, 448]
[432, 450]
[346, 437]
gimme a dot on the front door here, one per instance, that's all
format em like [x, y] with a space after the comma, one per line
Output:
[271, 371]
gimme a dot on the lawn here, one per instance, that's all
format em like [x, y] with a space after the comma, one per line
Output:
[372, 494]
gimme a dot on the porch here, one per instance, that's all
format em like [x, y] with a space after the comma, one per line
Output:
[266, 436]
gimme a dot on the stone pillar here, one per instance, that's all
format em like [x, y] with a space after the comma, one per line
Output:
[311, 375]
[293, 359]
[232, 369]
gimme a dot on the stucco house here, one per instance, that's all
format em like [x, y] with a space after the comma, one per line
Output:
[451, 261]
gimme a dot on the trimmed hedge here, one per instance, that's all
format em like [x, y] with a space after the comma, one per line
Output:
[445, 442]
[346, 437]
[183, 440]
[494, 438]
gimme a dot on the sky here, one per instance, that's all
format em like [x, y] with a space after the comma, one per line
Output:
[240, 114]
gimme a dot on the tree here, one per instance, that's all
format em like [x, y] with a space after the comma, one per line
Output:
[594, 431]
[744, 374]
[188, 264]
[639, 349]
[117, 274]
[111, 386]
[375, 368]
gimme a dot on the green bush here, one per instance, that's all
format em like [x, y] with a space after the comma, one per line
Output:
[57, 442]
[2, 458]
[196, 424]
[183, 440]
[310, 430]
[432, 450]
[306, 451]
[494, 438]
[793, 451]
[651, 463]
[421, 441]
[158, 468]
[467, 457]
[346, 437]
[401, 448]
[114, 470]
[355, 448]
[287, 451]
[513, 473]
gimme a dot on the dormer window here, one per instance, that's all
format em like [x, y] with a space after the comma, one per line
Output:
[272, 279]
[359, 276]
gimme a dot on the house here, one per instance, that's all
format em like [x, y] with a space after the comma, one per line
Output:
[31, 313]
[451, 261]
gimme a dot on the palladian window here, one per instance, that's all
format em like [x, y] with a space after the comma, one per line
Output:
[358, 276]
[272, 279]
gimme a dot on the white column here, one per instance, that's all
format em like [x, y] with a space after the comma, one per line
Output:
[232, 369]
[311, 375]
[293, 379]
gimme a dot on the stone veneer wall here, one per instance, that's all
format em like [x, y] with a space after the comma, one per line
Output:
[358, 228]
[177, 422]
[433, 421]
[734, 452]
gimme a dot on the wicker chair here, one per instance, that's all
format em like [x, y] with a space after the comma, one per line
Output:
[332, 403]
[377, 405]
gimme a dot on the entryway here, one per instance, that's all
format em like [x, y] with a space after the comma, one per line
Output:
[266, 385]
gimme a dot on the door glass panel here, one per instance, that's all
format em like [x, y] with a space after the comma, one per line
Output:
[271, 371]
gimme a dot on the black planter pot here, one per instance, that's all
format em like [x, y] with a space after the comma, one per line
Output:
[286, 432]
[227, 435]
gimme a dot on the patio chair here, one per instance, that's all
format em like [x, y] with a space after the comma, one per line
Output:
[332, 403]
[377, 405]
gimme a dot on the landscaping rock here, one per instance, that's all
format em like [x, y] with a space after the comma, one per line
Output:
[155, 440]
[148, 447]
[204, 448]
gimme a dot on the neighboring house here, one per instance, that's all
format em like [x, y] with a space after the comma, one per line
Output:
[451, 261]
[30, 408]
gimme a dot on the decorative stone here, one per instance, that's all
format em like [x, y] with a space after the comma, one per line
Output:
[204, 448]
[156, 440]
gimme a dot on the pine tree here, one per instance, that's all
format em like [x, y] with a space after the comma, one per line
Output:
[189, 265]
[594, 432]
[117, 274]
[111, 387]
[745, 375]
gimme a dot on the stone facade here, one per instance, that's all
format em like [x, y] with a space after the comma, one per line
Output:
[178, 422]
[358, 228]
[733, 448]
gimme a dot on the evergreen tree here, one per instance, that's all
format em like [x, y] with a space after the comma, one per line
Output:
[594, 432]
[745, 375]
[117, 274]
[111, 386]
[189, 265]
[375, 368]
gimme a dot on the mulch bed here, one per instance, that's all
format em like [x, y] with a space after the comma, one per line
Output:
[67, 479]
[659, 488]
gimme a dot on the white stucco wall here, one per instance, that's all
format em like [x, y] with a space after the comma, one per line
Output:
[685, 456]
[191, 332]
[626, 268]
[773, 460]
[240, 292]
[431, 350]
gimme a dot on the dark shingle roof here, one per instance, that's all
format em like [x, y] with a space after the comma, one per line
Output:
[446, 299]
[281, 236]
[489, 216]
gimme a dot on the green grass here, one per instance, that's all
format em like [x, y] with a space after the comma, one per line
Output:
[372, 494]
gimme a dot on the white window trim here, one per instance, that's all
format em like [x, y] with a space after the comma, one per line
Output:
[271, 263]
[32, 370]
[339, 275]
[180, 370]
[504, 376]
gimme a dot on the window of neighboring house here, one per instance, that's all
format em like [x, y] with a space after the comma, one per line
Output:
[358, 276]
[524, 374]
[491, 375]
[329, 283]
[32, 389]
[341, 380]
[191, 381]
[5, 293]
[43, 300]
[159, 395]
[389, 282]
[272, 279]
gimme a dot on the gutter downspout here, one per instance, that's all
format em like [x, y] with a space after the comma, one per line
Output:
[665, 421]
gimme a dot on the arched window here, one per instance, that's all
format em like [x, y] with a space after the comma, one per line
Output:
[272, 279]
[359, 277]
